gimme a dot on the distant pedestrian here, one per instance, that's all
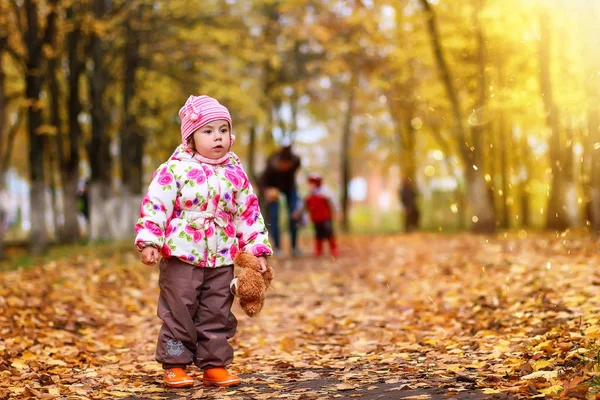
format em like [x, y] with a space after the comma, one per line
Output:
[408, 196]
[279, 177]
[322, 207]
[84, 200]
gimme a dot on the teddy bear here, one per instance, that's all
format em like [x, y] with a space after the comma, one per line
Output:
[250, 285]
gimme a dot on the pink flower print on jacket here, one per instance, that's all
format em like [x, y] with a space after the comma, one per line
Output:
[153, 228]
[165, 178]
[234, 178]
[193, 173]
[250, 215]
[210, 231]
[230, 230]
[260, 249]
[195, 233]
[215, 201]
[233, 250]
[179, 190]
[207, 171]
[196, 175]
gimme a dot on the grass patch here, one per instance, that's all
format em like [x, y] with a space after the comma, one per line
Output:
[18, 257]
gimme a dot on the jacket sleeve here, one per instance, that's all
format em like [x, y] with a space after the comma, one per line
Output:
[156, 210]
[331, 199]
[250, 226]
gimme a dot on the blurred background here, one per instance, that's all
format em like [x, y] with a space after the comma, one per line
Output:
[488, 111]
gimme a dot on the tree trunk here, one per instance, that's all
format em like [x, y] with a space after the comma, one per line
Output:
[556, 217]
[55, 155]
[481, 206]
[591, 59]
[593, 88]
[33, 88]
[100, 224]
[346, 136]
[252, 154]
[505, 136]
[594, 133]
[504, 143]
[525, 215]
[571, 195]
[70, 170]
[3, 140]
[131, 139]
[53, 187]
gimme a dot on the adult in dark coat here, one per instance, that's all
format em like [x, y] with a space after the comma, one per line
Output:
[279, 178]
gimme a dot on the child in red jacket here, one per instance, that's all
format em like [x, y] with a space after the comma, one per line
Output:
[321, 207]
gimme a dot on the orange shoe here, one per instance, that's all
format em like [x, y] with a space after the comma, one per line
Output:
[219, 377]
[177, 378]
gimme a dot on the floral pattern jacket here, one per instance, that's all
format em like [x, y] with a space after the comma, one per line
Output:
[200, 213]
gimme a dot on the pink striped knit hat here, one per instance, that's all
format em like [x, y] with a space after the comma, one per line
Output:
[199, 111]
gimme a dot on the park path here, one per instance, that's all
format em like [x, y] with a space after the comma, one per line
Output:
[398, 316]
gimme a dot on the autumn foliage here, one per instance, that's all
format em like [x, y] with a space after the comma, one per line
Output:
[515, 314]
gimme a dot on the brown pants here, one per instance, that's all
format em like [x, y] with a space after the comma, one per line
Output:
[195, 307]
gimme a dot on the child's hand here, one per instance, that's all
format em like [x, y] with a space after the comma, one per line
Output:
[149, 255]
[263, 264]
[272, 194]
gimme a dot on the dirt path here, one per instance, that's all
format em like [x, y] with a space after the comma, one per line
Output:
[407, 316]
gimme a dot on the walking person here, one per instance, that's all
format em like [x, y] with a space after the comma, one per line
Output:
[279, 178]
[321, 206]
[408, 196]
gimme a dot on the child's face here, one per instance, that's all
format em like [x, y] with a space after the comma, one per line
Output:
[312, 186]
[212, 140]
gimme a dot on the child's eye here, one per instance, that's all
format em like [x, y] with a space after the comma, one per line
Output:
[208, 131]
[224, 130]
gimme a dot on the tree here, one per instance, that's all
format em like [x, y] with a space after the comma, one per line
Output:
[556, 217]
[469, 148]
[34, 41]
[591, 57]
[98, 149]
[8, 131]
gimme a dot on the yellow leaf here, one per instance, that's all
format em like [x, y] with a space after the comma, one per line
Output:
[431, 342]
[288, 344]
[555, 389]
[490, 391]
[19, 364]
[29, 356]
[541, 364]
[547, 375]
[477, 365]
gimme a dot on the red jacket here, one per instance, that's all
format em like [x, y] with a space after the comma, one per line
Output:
[319, 207]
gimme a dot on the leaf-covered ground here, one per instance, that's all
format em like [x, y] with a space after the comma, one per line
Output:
[407, 316]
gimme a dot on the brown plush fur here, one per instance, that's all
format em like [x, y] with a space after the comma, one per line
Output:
[251, 283]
